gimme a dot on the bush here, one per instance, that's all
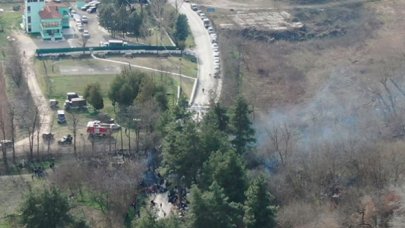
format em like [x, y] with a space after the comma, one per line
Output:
[16, 8]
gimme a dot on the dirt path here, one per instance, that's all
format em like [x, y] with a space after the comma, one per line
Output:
[27, 49]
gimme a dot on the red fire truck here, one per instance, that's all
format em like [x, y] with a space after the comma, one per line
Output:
[96, 128]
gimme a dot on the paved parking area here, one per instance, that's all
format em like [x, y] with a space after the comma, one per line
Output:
[73, 36]
[97, 33]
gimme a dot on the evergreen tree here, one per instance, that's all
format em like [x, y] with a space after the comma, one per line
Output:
[213, 140]
[181, 152]
[241, 126]
[172, 221]
[104, 15]
[121, 17]
[258, 209]
[212, 209]
[147, 219]
[228, 171]
[47, 209]
[125, 87]
[93, 95]
[135, 24]
[149, 90]
[217, 117]
[182, 30]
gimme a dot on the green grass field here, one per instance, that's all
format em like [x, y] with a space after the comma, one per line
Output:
[169, 64]
[55, 85]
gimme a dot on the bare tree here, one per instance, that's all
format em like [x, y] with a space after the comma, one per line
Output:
[14, 66]
[281, 139]
[75, 122]
[158, 10]
[31, 133]
[128, 134]
[12, 128]
[84, 40]
[113, 186]
[178, 4]
[3, 132]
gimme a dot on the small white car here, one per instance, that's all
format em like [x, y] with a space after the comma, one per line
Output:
[86, 34]
[84, 19]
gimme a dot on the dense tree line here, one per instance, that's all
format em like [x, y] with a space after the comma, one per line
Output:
[120, 17]
[204, 158]
[132, 17]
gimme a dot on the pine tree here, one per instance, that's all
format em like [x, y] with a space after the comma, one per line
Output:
[241, 126]
[212, 209]
[50, 209]
[228, 171]
[148, 219]
[125, 87]
[181, 152]
[93, 95]
[217, 117]
[182, 30]
[258, 209]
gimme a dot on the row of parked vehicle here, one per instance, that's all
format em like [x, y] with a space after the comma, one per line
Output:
[213, 37]
[81, 22]
[90, 7]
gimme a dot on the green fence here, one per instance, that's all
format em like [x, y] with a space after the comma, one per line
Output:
[45, 51]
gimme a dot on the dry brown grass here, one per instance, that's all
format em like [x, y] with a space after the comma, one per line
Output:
[325, 89]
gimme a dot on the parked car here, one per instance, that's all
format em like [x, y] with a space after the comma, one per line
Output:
[47, 136]
[91, 10]
[72, 12]
[194, 7]
[85, 7]
[61, 117]
[71, 95]
[115, 126]
[6, 143]
[67, 139]
[76, 103]
[80, 28]
[53, 103]
[86, 34]
[84, 19]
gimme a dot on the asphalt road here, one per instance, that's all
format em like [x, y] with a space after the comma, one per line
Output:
[208, 87]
